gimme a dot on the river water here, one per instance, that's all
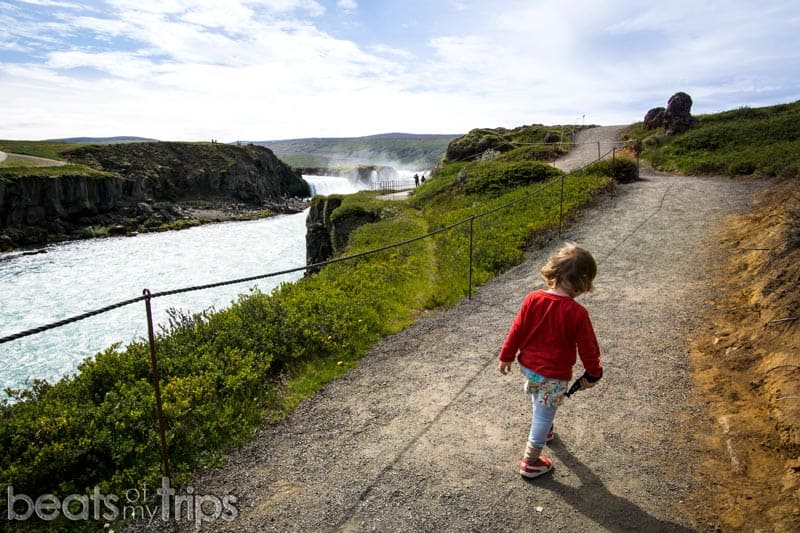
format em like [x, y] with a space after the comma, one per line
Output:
[79, 276]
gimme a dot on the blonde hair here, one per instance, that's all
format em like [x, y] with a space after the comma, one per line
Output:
[572, 267]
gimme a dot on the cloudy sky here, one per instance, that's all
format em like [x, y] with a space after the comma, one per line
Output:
[278, 69]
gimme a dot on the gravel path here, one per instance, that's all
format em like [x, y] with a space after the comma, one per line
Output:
[33, 160]
[426, 435]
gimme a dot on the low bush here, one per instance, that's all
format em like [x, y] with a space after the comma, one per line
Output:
[494, 177]
[622, 169]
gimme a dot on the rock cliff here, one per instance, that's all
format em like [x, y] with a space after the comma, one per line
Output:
[328, 231]
[141, 185]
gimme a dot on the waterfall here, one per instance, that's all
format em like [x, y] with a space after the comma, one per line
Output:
[325, 185]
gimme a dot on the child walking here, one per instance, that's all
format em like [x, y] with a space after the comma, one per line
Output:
[544, 336]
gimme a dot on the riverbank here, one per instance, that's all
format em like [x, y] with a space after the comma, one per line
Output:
[144, 218]
[118, 189]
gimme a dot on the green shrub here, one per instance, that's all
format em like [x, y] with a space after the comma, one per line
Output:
[622, 169]
[494, 177]
[537, 152]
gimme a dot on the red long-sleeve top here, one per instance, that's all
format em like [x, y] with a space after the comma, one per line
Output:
[546, 332]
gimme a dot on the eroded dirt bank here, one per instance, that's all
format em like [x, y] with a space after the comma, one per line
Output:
[746, 367]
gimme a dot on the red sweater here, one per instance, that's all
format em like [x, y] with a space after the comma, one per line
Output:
[546, 332]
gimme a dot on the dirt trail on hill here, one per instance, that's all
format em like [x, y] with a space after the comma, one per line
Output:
[34, 161]
[426, 435]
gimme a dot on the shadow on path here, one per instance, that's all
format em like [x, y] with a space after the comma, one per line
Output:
[593, 500]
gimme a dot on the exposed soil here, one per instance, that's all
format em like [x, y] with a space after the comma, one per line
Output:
[746, 366]
[426, 435]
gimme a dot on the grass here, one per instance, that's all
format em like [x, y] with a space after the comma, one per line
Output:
[48, 149]
[748, 141]
[16, 161]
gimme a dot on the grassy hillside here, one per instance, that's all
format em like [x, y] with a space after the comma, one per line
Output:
[748, 141]
[105, 140]
[49, 149]
[401, 150]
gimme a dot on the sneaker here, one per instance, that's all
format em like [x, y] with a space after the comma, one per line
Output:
[542, 466]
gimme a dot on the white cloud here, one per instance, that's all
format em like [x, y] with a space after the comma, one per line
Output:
[257, 69]
[347, 5]
[52, 3]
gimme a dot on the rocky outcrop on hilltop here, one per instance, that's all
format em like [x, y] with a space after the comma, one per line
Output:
[678, 115]
[675, 118]
[654, 118]
[139, 186]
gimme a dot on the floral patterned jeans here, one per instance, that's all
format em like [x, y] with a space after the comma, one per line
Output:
[546, 395]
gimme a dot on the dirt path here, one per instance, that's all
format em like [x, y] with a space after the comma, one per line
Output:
[33, 160]
[425, 435]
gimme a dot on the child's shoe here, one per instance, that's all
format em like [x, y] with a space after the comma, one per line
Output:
[542, 465]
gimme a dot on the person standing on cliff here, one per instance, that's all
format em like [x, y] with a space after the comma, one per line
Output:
[544, 337]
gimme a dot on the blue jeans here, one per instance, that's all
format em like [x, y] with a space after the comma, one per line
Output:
[546, 395]
[541, 423]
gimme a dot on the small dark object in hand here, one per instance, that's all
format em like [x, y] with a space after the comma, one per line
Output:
[577, 385]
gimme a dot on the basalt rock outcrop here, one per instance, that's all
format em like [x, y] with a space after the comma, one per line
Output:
[654, 118]
[139, 185]
[675, 118]
[328, 230]
[678, 115]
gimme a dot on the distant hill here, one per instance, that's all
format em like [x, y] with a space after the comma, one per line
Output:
[103, 140]
[399, 150]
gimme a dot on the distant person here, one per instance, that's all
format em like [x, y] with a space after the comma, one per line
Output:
[544, 336]
[422, 179]
[416, 180]
[69, 159]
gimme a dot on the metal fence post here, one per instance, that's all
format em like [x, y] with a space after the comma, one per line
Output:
[471, 220]
[637, 165]
[599, 157]
[157, 386]
[561, 208]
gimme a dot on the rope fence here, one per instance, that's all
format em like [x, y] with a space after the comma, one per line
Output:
[147, 296]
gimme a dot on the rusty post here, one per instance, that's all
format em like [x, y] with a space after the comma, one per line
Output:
[157, 386]
[471, 220]
[561, 208]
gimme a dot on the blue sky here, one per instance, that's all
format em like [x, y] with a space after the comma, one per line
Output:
[278, 69]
